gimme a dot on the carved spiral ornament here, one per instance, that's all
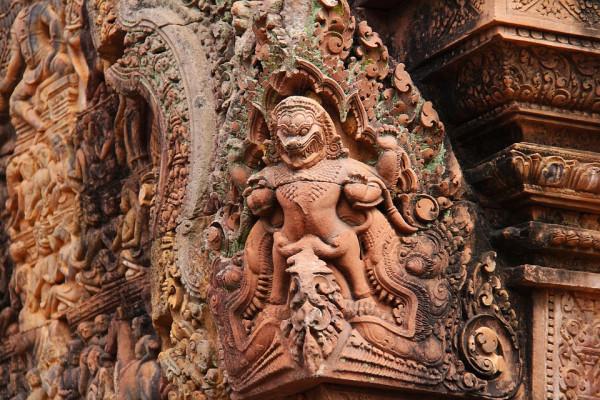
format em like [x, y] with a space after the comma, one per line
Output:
[486, 346]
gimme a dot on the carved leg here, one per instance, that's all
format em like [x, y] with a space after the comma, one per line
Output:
[353, 267]
[20, 105]
[281, 279]
[26, 111]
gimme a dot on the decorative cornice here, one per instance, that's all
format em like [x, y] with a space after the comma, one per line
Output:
[545, 175]
[554, 278]
[583, 12]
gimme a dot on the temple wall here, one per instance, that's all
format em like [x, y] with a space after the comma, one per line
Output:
[300, 199]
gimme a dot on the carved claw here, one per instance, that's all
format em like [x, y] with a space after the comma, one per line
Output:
[254, 183]
[399, 222]
[356, 178]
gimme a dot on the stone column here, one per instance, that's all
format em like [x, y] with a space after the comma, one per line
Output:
[517, 82]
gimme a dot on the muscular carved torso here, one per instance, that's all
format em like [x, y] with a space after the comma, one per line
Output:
[310, 207]
[30, 31]
[309, 199]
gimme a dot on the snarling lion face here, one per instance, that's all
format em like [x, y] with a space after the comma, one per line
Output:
[300, 140]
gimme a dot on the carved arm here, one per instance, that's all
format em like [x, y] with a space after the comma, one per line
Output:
[362, 192]
[55, 29]
[365, 192]
[14, 70]
[260, 197]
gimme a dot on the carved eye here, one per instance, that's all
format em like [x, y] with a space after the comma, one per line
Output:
[304, 131]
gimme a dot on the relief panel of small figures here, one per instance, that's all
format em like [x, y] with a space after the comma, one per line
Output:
[39, 94]
[79, 190]
[116, 178]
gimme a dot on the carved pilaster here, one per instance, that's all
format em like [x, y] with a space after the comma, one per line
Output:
[568, 357]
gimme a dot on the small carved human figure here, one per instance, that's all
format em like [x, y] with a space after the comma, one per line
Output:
[96, 159]
[130, 131]
[130, 229]
[26, 284]
[17, 382]
[69, 383]
[25, 195]
[37, 53]
[36, 391]
[136, 349]
[101, 325]
[65, 292]
[98, 375]
[131, 225]
[14, 178]
[36, 188]
[85, 331]
[314, 197]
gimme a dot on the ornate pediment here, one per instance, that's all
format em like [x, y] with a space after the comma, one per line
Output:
[346, 251]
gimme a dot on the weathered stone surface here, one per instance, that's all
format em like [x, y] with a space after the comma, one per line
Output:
[248, 199]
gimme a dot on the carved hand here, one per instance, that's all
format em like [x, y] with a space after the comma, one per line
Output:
[362, 192]
[261, 201]
[260, 197]
[48, 60]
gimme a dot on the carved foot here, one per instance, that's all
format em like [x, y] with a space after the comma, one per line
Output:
[365, 307]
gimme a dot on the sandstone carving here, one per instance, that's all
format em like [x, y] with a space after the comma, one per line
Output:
[37, 53]
[217, 200]
[348, 261]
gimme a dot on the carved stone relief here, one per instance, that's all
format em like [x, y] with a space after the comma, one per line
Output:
[571, 345]
[212, 200]
[526, 74]
[439, 23]
[580, 11]
[77, 205]
[343, 249]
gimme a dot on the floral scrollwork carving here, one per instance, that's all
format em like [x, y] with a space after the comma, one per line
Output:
[531, 74]
[371, 47]
[581, 11]
[335, 29]
[316, 303]
[489, 341]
